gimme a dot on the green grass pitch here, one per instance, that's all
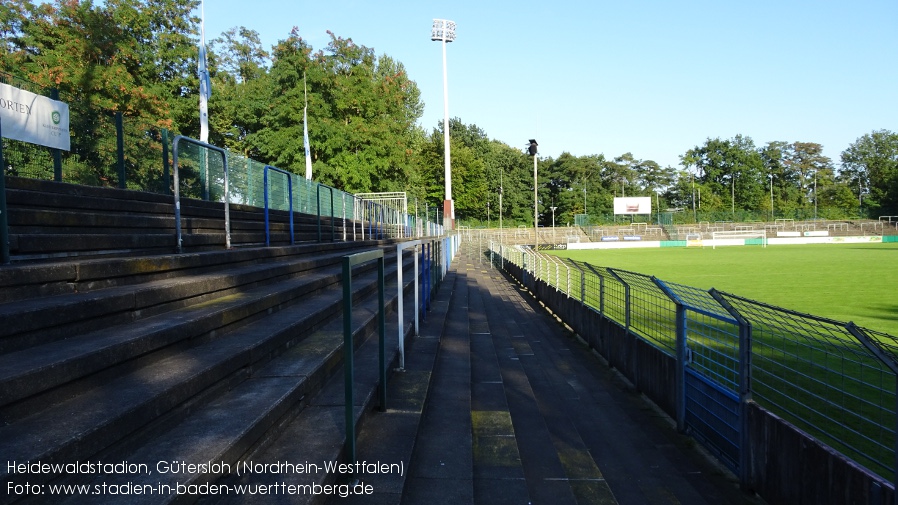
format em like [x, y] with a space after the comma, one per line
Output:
[845, 282]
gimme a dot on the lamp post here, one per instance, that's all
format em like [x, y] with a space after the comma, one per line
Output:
[771, 197]
[694, 215]
[815, 195]
[444, 31]
[733, 196]
[502, 171]
[533, 150]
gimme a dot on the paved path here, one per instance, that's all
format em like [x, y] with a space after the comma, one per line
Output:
[518, 411]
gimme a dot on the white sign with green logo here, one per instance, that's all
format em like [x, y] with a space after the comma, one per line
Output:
[34, 118]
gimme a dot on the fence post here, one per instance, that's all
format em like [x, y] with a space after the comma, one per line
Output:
[166, 175]
[120, 148]
[348, 347]
[348, 368]
[4, 221]
[744, 386]
[318, 206]
[57, 154]
[333, 223]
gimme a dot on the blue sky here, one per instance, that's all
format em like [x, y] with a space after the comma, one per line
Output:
[652, 78]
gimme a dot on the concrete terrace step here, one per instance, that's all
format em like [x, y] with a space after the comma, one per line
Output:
[50, 220]
[135, 400]
[32, 370]
[37, 321]
[317, 434]
[43, 367]
[25, 281]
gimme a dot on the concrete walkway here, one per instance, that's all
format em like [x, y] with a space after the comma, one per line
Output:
[519, 411]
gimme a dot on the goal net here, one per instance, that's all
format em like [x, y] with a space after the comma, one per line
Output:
[742, 237]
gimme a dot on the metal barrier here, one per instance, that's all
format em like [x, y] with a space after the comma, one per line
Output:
[267, 203]
[226, 195]
[833, 380]
[348, 348]
[399, 292]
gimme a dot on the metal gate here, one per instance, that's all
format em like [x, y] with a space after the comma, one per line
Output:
[711, 363]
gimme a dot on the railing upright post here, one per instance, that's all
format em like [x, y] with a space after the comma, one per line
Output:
[417, 289]
[745, 345]
[265, 200]
[400, 305]
[166, 172]
[57, 154]
[318, 206]
[348, 368]
[382, 332]
[120, 149]
[4, 220]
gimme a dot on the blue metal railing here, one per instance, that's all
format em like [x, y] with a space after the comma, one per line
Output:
[205, 162]
[268, 202]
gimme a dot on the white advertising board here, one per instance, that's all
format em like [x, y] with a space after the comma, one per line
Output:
[633, 205]
[33, 118]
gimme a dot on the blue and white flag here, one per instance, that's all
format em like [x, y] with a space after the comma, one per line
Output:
[205, 82]
[305, 141]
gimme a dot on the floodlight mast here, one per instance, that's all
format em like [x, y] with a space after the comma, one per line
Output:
[533, 149]
[444, 30]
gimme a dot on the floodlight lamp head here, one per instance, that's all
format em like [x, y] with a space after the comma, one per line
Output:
[533, 147]
[443, 29]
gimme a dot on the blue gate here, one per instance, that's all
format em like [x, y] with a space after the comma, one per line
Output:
[711, 371]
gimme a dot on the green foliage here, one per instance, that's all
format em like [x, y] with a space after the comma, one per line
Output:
[871, 163]
[138, 57]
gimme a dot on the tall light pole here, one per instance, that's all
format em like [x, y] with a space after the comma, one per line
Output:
[502, 171]
[444, 30]
[815, 195]
[694, 215]
[733, 186]
[771, 197]
[533, 150]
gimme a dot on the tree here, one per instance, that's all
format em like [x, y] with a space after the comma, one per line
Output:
[812, 170]
[362, 115]
[241, 57]
[730, 173]
[124, 56]
[510, 172]
[871, 162]
[241, 83]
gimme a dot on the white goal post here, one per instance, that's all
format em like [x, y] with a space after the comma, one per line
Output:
[741, 237]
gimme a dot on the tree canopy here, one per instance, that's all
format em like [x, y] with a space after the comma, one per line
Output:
[138, 58]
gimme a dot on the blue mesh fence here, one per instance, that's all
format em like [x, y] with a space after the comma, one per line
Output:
[831, 379]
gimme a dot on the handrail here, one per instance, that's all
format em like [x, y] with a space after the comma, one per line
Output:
[399, 248]
[290, 197]
[318, 205]
[177, 195]
[348, 348]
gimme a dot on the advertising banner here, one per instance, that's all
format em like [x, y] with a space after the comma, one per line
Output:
[34, 118]
[633, 205]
